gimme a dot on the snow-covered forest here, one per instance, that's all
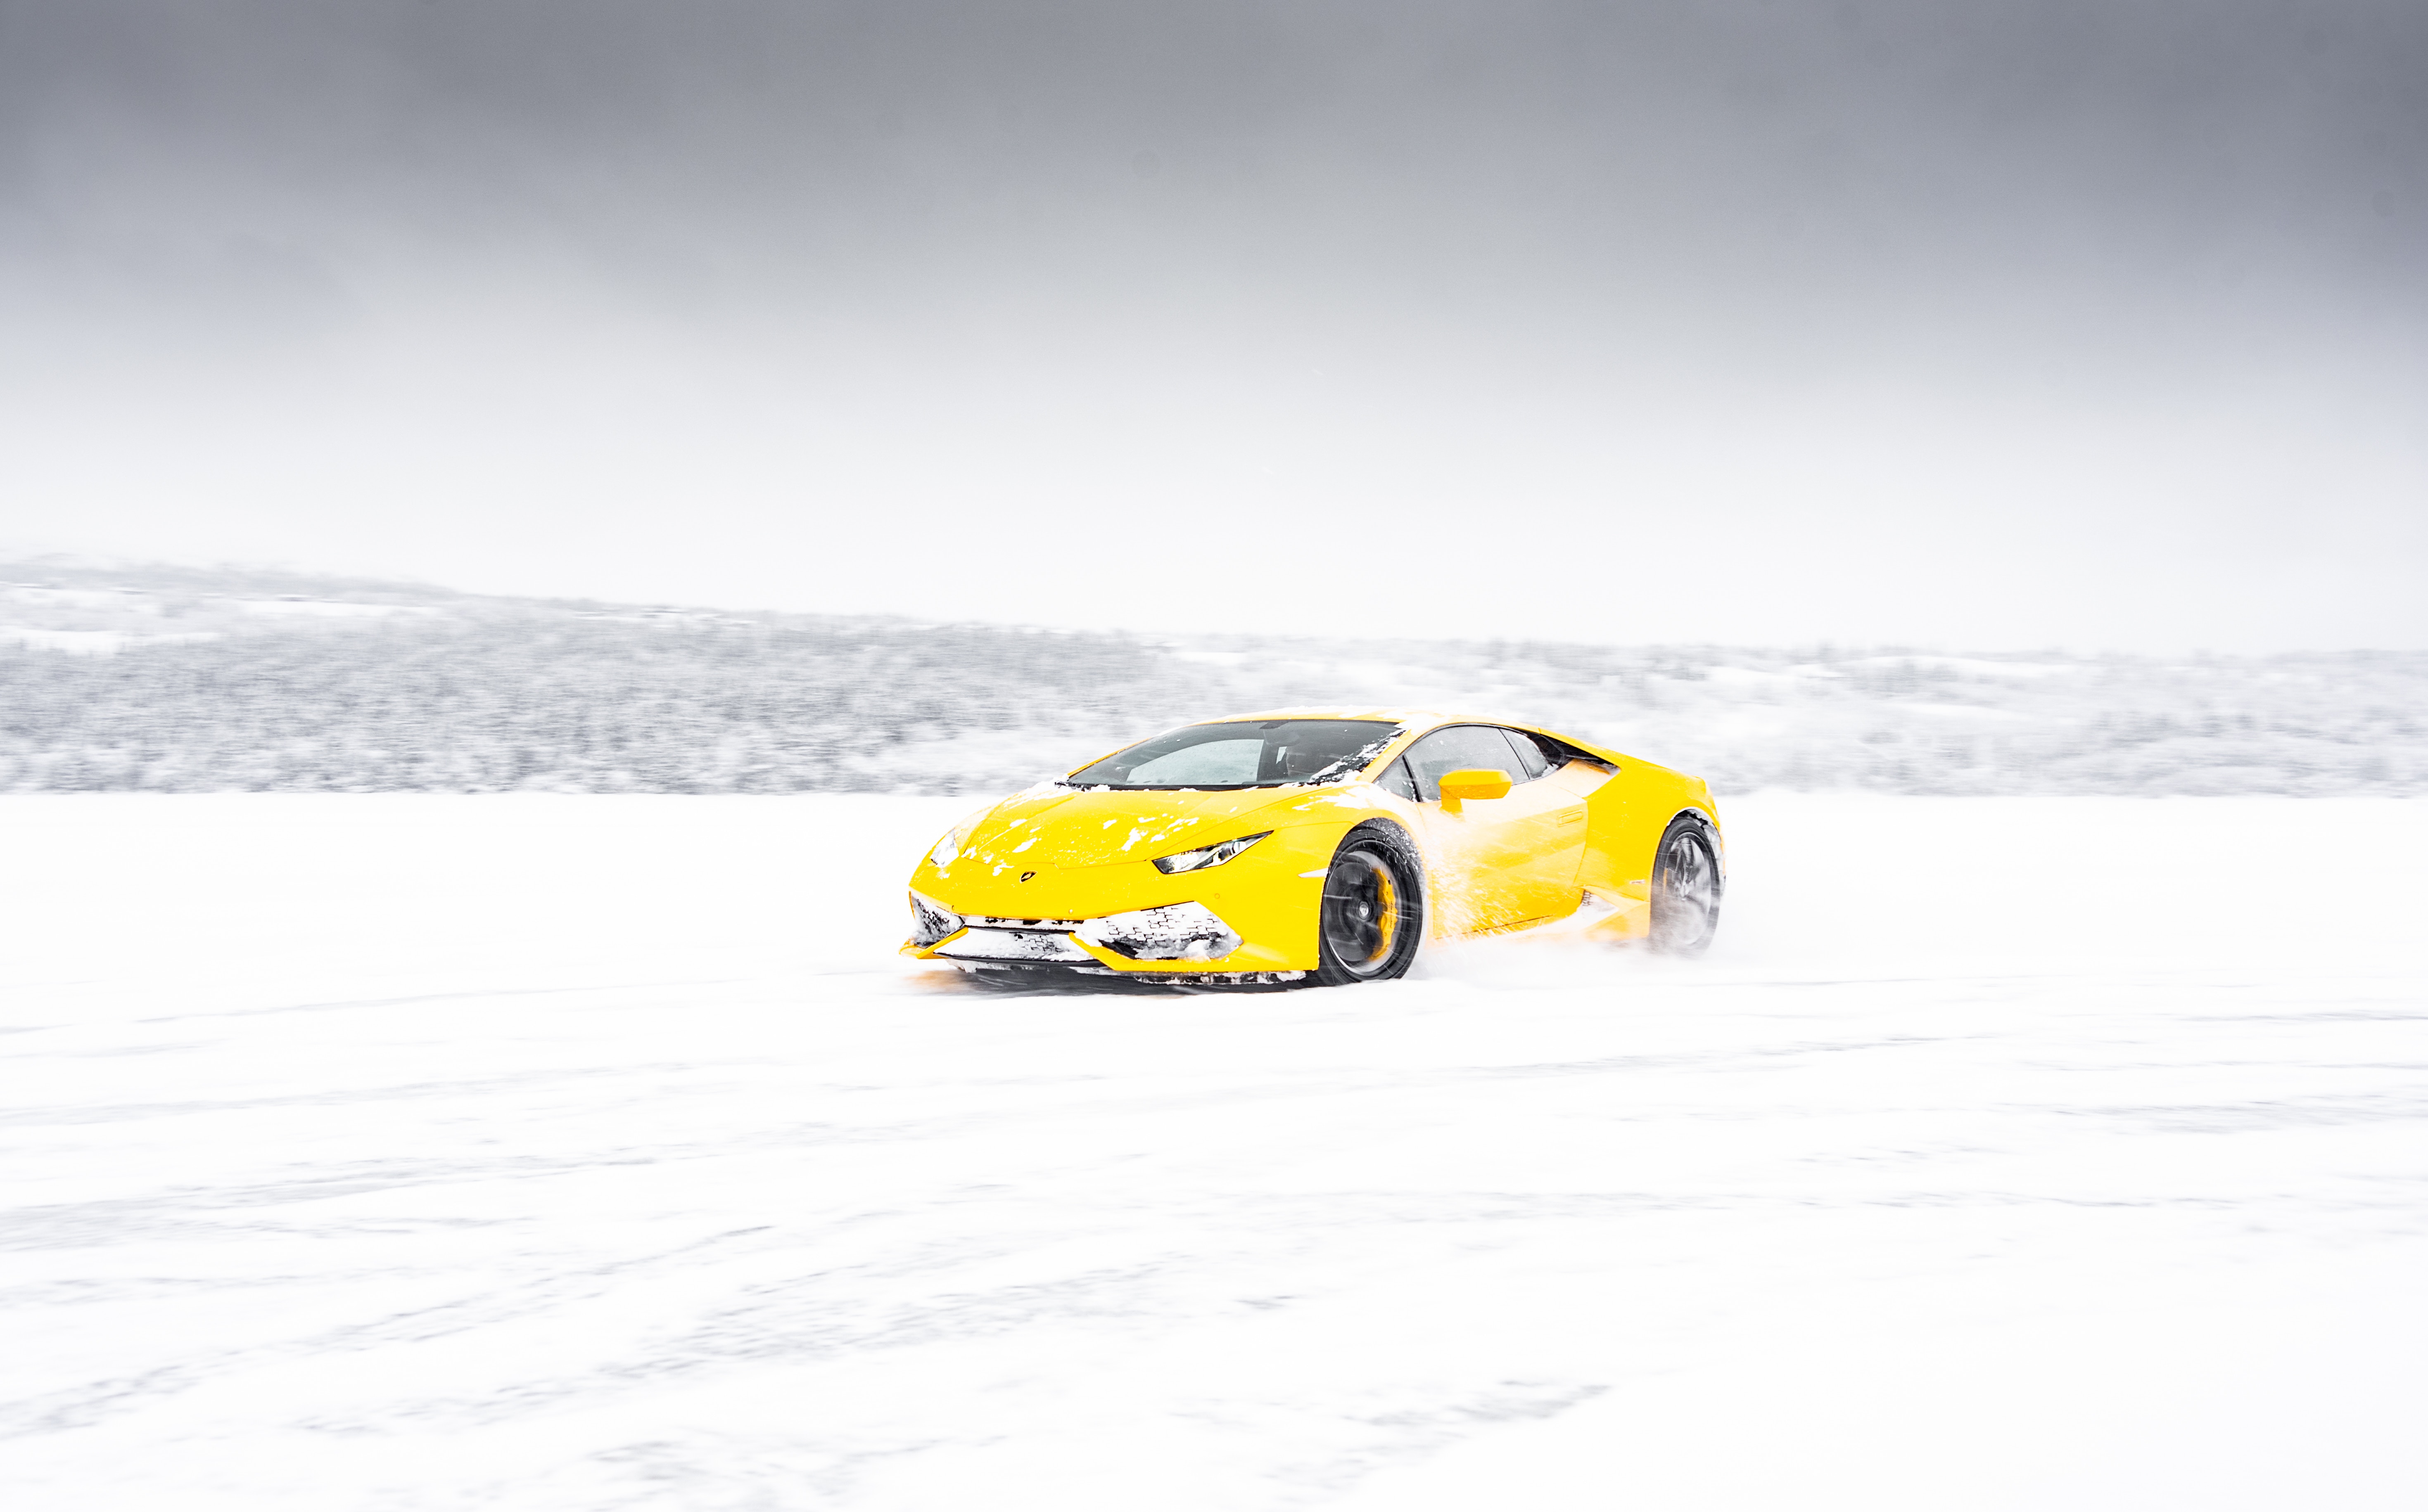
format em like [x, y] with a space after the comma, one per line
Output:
[183, 680]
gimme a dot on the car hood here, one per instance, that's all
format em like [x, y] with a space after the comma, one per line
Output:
[1068, 828]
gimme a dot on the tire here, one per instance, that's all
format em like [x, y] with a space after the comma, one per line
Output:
[1686, 887]
[1373, 915]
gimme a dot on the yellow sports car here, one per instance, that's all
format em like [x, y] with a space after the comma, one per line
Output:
[1317, 844]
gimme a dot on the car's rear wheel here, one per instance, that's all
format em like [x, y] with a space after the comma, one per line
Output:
[1685, 887]
[1373, 915]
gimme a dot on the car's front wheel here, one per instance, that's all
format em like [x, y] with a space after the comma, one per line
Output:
[1685, 887]
[1373, 915]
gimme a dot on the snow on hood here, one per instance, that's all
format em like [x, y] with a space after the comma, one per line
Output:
[1092, 827]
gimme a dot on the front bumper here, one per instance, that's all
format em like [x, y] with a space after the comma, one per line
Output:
[1264, 904]
[1088, 948]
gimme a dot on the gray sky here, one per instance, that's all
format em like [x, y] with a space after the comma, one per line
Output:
[2063, 322]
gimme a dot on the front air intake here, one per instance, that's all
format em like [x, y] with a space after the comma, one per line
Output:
[1177, 931]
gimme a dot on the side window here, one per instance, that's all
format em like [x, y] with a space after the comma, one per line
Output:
[1395, 779]
[1456, 749]
[1531, 762]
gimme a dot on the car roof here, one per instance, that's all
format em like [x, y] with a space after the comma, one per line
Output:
[1417, 720]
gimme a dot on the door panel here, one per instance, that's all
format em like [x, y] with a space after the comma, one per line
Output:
[1499, 861]
[1549, 836]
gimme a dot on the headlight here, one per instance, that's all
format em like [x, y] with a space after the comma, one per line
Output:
[1177, 931]
[948, 850]
[929, 919]
[1211, 855]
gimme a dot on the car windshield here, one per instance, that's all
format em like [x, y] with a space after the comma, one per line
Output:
[1273, 753]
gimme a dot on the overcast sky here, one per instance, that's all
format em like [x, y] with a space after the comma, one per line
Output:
[2017, 323]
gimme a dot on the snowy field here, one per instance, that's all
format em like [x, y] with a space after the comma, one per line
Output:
[534, 1152]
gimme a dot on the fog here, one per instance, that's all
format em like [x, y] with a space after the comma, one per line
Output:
[456, 1047]
[2009, 325]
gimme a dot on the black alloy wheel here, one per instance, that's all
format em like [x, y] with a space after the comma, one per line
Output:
[1373, 915]
[1685, 887]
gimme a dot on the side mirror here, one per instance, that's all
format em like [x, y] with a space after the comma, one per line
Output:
[1471, 782]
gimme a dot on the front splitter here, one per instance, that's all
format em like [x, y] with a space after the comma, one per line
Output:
[1045, 973]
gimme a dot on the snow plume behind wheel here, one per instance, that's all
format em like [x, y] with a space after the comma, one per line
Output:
[1373, 915]
[1686, 887]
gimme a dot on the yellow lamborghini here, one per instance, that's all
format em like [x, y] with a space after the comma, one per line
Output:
[1317, 845]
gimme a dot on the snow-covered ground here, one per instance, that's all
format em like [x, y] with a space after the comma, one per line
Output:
[541, 1152]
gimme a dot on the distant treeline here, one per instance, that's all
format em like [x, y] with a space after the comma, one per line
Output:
[191, 684]
[510, 704]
